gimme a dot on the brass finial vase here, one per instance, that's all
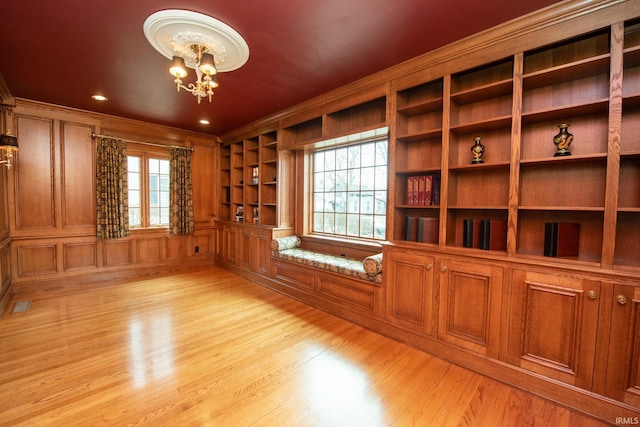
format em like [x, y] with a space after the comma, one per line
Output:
[477, 151]
[563, 140]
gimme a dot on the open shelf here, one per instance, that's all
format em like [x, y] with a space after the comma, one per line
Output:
[563, 184]
[370, 114]
[425, 154]
[479, 187]
[531, 228]
[250, 179]
[590, 137]
[419, 111]
[455, 225]
[626, 248]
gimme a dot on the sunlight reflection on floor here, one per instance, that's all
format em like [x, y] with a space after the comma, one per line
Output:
[339, 393]
[151, 347]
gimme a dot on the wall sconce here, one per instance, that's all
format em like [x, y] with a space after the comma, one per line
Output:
[8, 146]
[8, 142]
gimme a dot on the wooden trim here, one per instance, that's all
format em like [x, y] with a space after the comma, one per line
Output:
[614, 144]
[568, 18]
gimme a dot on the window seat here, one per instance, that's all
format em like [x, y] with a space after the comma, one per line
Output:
[288, 249]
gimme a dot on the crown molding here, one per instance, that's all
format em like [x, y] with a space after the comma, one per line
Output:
[5, 94]
[556, 22]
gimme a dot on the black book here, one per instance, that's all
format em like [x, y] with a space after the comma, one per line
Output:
[435, 192]
[467, 232]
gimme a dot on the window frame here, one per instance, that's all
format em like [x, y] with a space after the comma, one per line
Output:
[367, 136]
[145, 153]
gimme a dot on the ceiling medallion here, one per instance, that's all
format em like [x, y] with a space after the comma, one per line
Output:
[199, 42]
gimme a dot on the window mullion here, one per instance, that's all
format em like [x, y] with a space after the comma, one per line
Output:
[145, 192]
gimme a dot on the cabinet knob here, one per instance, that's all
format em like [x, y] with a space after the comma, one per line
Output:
[443, 268]
[429, 266]
[622, 300]
[592, 294]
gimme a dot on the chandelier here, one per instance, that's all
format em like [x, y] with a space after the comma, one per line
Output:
[200, 42]
[206, 71]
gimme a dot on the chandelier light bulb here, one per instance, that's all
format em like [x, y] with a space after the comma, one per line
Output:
[207, 64]
[178, 69]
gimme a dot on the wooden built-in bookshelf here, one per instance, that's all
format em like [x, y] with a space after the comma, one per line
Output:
[514, 99]
[516, 105]
[255, 193]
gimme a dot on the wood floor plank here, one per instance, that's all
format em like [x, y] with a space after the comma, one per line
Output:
[208, 348]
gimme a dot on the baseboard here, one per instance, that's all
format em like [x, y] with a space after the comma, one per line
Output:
[80, 282]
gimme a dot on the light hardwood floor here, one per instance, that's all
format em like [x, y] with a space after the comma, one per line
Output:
[208, 348]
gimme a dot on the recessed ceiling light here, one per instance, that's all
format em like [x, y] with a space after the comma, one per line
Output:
[204, 122]
[99, 97]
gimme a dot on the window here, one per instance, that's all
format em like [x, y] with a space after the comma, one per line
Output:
[148, 190]
[350, 187]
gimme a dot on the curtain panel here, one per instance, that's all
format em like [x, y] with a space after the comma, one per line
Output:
[112, 204]
[181, 192]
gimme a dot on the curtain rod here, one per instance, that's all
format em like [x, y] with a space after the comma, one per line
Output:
[95, 135]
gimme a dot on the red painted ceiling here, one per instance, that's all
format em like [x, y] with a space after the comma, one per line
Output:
[62, 52]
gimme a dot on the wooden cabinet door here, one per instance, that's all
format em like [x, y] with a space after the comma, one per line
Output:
[261, 251]
[229, 244]
[470, 305]
[623, 365]
[409, 285]
[219, 242]
[246, 248]
[553, 326]
[255, 249]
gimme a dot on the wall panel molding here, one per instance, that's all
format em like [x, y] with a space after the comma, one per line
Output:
[37, 260]
[79, 256]
[77, 148]
[34, 182]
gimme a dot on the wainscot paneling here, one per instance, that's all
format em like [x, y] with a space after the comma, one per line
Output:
[80, 256]
[48, 207]
[204, 243]
[203, 172]
[34, 174]
[5, 276]
[149, 249]
[78, 177]
[117, 252]
[4, 207]
[177, 247]
[37, 260]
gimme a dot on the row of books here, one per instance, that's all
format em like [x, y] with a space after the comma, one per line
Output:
[423, 190]
[422, 229]
[487, 234]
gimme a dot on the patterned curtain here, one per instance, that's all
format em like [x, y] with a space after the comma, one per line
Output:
[181, 192]
[112, 204]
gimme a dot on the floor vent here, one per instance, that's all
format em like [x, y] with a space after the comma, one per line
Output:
[21, 306]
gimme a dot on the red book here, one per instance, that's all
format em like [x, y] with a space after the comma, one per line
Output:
[410, 180]
[493, 235]
[428, 230]
[561, 239]
[421, 194]
[412, 228]
[428, 189]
